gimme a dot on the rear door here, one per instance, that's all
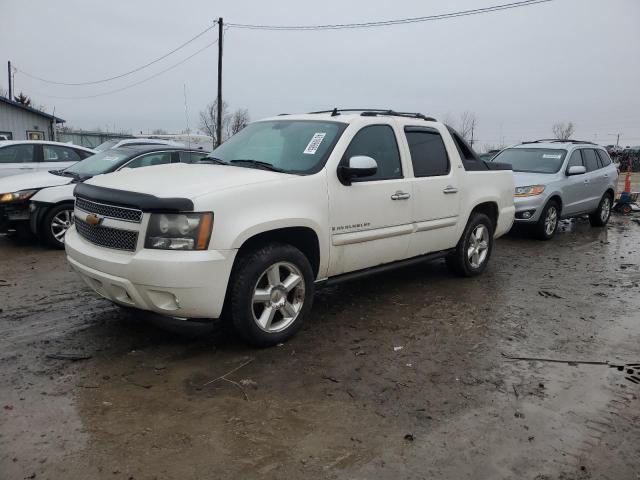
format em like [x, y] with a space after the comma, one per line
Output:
[436, 200]
[595, 181]
[370, 219]
[18, 158]
[57, 157]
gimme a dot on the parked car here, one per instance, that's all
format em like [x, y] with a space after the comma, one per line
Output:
[115, 143]
[23, 156]
[42, 202]
[558, 179]
[487, 156]
[285, 203]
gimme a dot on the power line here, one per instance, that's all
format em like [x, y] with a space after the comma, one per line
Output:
[139, 82]
[384, 23]
[76, 84]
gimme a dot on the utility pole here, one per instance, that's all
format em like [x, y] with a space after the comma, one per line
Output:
[219, 113]
[617, 138]
[10, 82]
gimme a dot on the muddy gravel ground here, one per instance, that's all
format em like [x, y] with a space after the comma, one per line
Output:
[401, 376]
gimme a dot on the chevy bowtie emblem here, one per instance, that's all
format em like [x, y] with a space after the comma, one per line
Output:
[93, 219]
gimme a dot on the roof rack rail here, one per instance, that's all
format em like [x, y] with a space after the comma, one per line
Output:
[557, 140]
[372, 112]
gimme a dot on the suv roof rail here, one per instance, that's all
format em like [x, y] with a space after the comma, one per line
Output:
[372, 112]
[557, 140]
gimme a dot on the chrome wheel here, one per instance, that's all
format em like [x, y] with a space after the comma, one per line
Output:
[278, 297]
[605, 211]
[478, 246]
[551, 220]
[60, 224]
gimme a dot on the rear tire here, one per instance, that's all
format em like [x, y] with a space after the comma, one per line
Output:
[600, 217]
[271, 293]
[471, 256]
[547, 225]
[55, 224]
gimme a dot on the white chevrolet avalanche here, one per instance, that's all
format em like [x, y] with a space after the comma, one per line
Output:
[288, 203]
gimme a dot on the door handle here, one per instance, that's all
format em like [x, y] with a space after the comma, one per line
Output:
[400, 195]
[450, 189]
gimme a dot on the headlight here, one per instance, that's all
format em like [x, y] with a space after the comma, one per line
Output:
[179, 231]
[529, 191]
[16, 196]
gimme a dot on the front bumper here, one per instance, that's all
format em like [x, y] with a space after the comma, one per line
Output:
[13, 214]
[173, 283]
[531, 205]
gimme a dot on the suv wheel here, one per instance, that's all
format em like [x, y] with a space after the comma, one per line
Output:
[474, 249]
[547, 225]
[600, 217]
[270, 294]
[55, 224]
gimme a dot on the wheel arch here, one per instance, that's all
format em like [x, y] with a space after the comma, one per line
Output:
[556, 198]
[490, 209]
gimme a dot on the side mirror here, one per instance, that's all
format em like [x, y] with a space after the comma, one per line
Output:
[357, 167]
[576, 170]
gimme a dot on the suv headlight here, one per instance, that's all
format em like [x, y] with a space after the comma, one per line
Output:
[179, 231]
[529, 191]
[17, 196]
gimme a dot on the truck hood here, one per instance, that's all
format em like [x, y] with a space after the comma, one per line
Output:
[183, 180]
[29, 181]
[524, 179]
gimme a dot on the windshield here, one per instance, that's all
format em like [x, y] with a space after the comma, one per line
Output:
[103, 162]
[292, 146]
[534, 160]
[106, 145]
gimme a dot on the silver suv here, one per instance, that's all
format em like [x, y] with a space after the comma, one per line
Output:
[556, 179]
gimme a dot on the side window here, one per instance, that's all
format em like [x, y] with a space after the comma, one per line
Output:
[590, 159]
[379, 143]
[54, 153]
[604, 158]
[191, 157]
[17, 154]
[149, 160]
[428, 153]
[575, 160]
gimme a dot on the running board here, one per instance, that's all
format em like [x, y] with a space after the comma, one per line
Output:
[347, 277]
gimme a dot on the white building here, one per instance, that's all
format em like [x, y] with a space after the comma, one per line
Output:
[19, 122]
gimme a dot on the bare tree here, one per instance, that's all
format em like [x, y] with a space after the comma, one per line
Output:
[239, 120]
[563, 131]
[465, 125]
[209, 120]
[4, 92]
[23, 99]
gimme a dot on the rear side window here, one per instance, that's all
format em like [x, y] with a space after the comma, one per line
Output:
[604, 158]
[54, 153]
[17, 154]
[150, 160]
[379, 143]
[428, 153]
[590, 159]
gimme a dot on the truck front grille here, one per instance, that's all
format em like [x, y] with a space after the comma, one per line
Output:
[111, 211]
[106, 236]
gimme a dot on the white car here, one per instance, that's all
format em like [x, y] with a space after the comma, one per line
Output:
[136, 141]
[24, 156]
[286, 203]
[42, 202]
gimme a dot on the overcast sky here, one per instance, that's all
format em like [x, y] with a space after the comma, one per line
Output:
[518, 70]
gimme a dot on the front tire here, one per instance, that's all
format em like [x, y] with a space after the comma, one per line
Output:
[600, 217]
[471, 256]
[547, 225]
[55, 224]
[271, 293]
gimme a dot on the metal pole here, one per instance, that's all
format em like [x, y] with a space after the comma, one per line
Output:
[10, 82]
[219, 114]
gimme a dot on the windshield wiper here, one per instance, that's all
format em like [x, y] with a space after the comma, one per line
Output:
[64, 173]
[213, 160]
[258, 164]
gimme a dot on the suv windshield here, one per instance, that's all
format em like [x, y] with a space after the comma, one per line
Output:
[534, 160]
[103, 162]
[291, 146]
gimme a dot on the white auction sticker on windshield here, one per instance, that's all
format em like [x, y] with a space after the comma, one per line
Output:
[112, 158]
[314, 143]
[548, 155]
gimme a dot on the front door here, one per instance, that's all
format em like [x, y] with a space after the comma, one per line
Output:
[575, 192]
[370, 220]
